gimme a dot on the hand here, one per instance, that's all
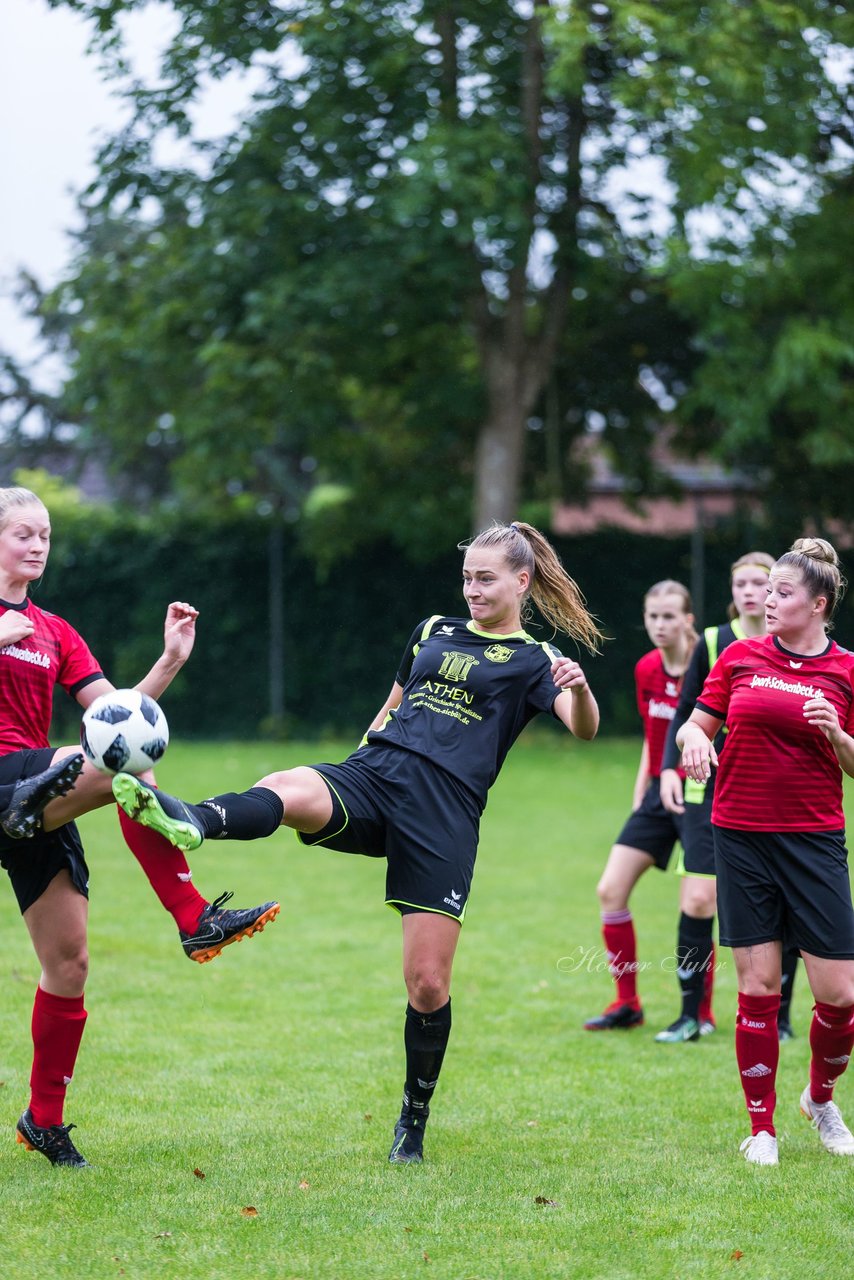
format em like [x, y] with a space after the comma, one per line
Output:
[671, 792]
[14, 626]
[567, 674]
[179, 631]
[822, 714]
[698, 754]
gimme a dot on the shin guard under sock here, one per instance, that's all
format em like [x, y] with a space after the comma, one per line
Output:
[757, 1050]
[693, 957]
[167, 872]
[247, 815]
[618, 934]
[57, 1028]
[831, 1042]
[425, 1038]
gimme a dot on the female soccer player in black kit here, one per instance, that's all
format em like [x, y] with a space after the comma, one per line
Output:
[787, 699]
[42, 789]
[694, 946]
[414, 791]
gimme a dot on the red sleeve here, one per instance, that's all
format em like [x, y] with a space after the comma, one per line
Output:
[77, 664]
[640, 666]
[714, 696]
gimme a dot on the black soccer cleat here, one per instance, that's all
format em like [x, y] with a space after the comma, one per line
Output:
[408, 1145]
[52, 1141]
[217, 928]
[617, 1017]
[165, 814]
[23, 817]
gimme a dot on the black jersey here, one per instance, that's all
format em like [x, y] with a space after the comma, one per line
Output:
[467, 695]
[710, 645]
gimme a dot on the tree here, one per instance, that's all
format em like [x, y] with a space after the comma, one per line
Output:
[370, 289]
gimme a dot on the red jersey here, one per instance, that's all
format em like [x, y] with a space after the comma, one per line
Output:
[658, 697]
[30, 669]
[778, 773]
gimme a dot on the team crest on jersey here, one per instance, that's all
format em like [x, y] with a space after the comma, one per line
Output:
[498, 653]
[456, 665]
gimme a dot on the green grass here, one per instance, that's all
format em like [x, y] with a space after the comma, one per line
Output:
[276, 1071]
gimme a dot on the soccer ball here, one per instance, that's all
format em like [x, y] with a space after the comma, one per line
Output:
[123, 732]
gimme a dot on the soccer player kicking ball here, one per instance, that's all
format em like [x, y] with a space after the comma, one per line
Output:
[782, 874]
[414, 791]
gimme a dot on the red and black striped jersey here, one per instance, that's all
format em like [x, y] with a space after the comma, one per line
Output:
[658, 697]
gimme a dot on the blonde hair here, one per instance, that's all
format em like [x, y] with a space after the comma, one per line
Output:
[553, 591]
[760, 560]
[818, 563]
[16, 496]
[670, 587]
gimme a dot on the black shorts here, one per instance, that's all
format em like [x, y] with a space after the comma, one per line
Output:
[393, 804]
[790, 887]
[652, 828]
[698, 841]
[33, 862]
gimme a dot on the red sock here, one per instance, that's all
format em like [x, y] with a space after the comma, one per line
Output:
[167, 871]
[58, 1023]
[618, 931]
[757, 1049]
[705, 1013]
[831, 1042]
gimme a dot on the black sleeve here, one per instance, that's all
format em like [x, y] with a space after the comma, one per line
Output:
[692, 687]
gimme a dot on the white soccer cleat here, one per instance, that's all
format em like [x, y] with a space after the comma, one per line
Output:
[827, 1120]
[760, 1148]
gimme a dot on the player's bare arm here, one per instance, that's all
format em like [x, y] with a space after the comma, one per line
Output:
[580, 711]
[823, 715]
[695, 740]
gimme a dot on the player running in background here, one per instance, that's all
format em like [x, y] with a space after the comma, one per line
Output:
[650, 832]
[414, 791]
[42, 789]
[695, 950]
[787, 699]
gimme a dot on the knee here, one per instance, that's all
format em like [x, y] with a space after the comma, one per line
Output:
[698, 898]
[427, 992]
[612, 896]
[67, 970]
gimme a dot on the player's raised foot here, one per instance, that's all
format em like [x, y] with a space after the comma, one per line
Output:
[827, 1120]
[165, 814]
[51, 1140]
[218, 927]
[408, 1145]
[784, 1030]
[617, 1017]
[708, 1027]
[760, 1148]
[23, 817]
[679, 1032]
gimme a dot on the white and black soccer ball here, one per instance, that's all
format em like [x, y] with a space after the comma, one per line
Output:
[124, 731]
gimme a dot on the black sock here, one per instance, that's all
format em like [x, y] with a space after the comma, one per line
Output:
[249, 815]
[693, 955]
[790, 966]
[425, 1038]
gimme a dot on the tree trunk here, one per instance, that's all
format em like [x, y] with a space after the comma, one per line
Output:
[498, 464]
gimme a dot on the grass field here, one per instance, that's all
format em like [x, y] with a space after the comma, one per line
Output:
[276, 1072]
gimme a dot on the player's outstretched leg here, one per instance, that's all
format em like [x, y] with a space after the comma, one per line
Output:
[22, 815]
[51, 1140]
[165, 814]
[218, 928]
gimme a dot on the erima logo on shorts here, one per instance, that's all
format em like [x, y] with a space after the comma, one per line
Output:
[453, 901]
[759, 1070]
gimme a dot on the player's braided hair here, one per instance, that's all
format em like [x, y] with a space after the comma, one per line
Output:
[819, 565]
[15, 496]
[553, 591]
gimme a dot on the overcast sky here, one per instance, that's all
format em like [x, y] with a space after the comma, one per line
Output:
[54, 107]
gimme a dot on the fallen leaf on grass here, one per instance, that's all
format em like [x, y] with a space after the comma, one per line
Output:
[550, 1204]
[163, 1235]
[249, 1211]
[198, 1173]
[304, 1186]
[409, 1229]
[368, 1116]
[426, 1257]
[735, 1255]
[533, 1124]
